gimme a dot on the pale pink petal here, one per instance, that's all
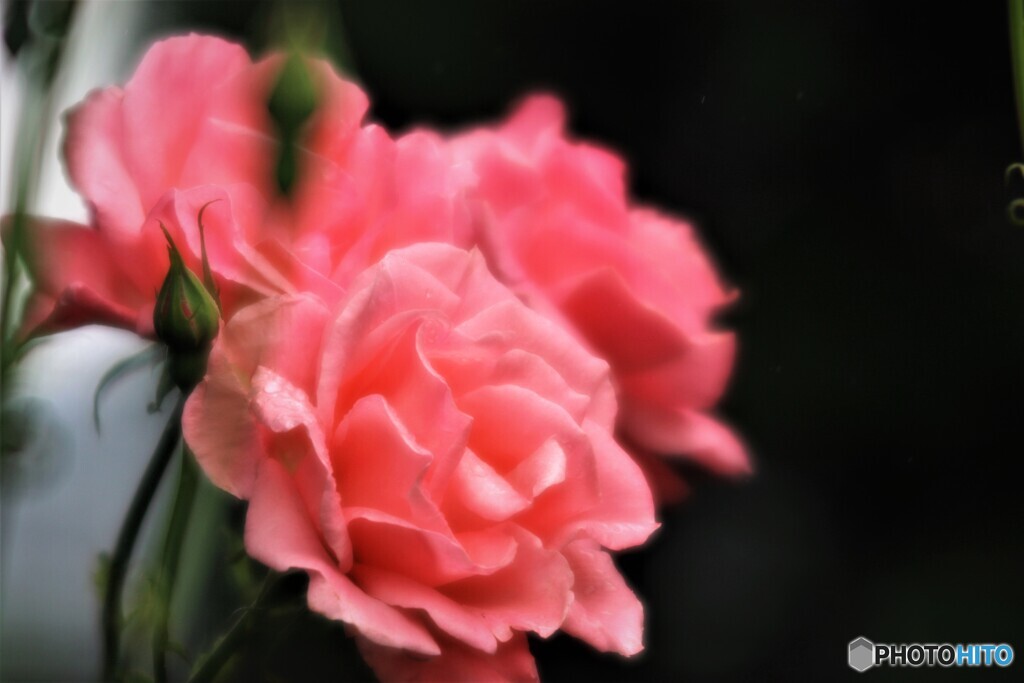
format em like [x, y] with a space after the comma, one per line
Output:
[624, 331]
[381, 304]
[505, 177]
[687, 433]
[625, 516]
[539, 240]
[220, 430]
[463, 624]
[590, 178]
[318, 489]
[95, 161]
[76, 306]
[616, 510]
[476, 489]
[510, 423]
[510, 324]
[604, 611]
[402, 374]
[166, 102]
[378, 464]
[681, 277]
[77, 279]
[696, 378]
[279, 533]
[532, 593]
[457, 663]
[542, 469]
[297, 273]
[340, 111]
[428, 557]
[292, 433]
[283, 333]
[341, 198]
[536, 117]
[234, 141]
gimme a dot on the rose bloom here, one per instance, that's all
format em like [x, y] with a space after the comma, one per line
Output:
[556, 225]
[192, 127]
[438, 457]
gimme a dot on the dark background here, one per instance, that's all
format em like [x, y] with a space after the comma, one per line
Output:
[845, 162]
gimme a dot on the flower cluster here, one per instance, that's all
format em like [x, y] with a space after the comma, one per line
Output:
[443, 365]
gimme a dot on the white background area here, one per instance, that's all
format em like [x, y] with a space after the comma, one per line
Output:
[77, 484]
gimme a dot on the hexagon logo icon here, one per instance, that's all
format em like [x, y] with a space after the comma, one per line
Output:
[862, 654]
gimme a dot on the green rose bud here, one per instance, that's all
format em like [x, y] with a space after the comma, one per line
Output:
[186, 319]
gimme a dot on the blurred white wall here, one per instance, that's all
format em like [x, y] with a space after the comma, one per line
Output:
[77, 484]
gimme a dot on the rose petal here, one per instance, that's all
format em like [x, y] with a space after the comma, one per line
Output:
[687, 433]
[96, 163]
[78, 280]
[219, 428]
[604, 611]
[532, 593]
[379, 465]
[429, 557]
[160, 131]
[456, 620]
[284, 333]
[279, 533]
[511, 663]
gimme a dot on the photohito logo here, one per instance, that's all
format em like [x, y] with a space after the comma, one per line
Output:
[863, 654]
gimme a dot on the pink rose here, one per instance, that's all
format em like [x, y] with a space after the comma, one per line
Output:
[556, 225]
[437, 457]
[191, 127]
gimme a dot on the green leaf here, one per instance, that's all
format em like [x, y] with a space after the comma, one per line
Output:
[149, 355]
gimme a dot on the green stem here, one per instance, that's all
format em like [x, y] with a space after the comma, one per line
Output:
[211, 664]
[33, 134]
[126, 539]
[1017, 57]
[176, 531]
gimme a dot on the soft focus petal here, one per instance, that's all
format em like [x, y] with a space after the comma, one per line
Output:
[697, 377]
[511, 663]
[554, 220]
[458, 621]
[282, 333]
[604, 612]
[165, 103]
[77, 280]
[531, 594]
[97, 166]
[220, 430]
[699, 437]
[279, 533]
[379, 465]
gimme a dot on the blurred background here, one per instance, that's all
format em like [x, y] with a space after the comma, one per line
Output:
[844, 162]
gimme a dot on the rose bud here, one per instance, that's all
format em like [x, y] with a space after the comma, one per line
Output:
[186, 318]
